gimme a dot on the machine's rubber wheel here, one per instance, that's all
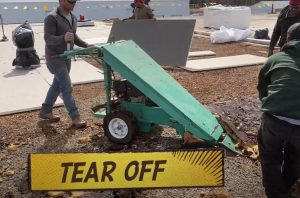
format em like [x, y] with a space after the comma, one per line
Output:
[120, 126]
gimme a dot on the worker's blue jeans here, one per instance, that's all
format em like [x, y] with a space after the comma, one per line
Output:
[279, 150]
[61, 84]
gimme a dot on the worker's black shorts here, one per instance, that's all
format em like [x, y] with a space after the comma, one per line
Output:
[279, 147]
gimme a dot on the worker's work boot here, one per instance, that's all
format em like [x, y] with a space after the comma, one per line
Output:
[50, 117]
[78, 123]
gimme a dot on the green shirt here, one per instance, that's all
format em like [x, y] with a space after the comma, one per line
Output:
[279, 82]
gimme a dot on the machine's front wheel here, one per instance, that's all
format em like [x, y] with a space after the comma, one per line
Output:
[120, 126]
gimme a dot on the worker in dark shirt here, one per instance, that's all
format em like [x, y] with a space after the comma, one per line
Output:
[141, 11]
[287, 17]
[146, 2]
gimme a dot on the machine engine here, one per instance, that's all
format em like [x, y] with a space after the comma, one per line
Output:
[124, 90]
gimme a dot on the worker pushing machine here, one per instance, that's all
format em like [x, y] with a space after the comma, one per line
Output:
[60, 35]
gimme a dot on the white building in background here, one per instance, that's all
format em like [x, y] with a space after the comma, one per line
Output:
[17, 11]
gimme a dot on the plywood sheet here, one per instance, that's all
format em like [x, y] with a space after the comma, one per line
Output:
[166, 41]
[224, 62]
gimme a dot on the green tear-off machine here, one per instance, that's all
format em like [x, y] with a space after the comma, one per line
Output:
[147, 95]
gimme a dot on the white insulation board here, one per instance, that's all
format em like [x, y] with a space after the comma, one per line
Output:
[230, 17]
[201, 53]
[22, 90]
[81, 73]
[224, 62]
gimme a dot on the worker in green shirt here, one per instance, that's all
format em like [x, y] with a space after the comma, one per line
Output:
[279, 134]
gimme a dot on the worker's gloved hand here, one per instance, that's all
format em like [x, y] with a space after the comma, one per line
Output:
[270, 52]
[69, 37]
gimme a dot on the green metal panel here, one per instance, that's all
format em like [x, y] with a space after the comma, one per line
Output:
[142, 71]
[99, 111]
[229, 143]
[152, 115]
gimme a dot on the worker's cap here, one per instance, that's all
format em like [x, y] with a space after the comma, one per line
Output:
[138, 1]
[294, 32]
[294, 2]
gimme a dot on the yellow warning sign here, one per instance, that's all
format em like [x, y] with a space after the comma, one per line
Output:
[193, 168]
